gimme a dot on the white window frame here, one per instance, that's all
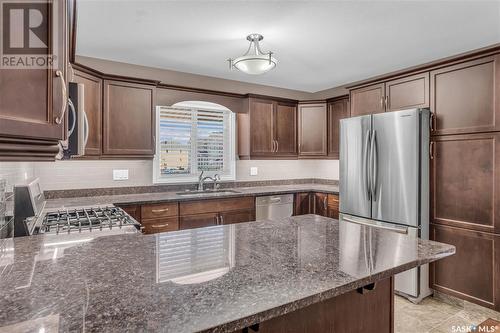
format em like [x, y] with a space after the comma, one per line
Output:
[174, 179]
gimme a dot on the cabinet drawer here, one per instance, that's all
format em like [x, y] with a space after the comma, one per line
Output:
[159, 210]
[214, 206]
[160, 225]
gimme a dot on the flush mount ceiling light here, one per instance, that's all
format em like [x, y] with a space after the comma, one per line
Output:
[254, 61]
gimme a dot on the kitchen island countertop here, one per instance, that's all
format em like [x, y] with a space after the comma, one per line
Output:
[219, 278]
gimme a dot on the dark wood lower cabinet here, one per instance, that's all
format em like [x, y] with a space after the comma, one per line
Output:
[352, 312]
[303, 204]
[321, 204]
[238, 216]
[473, 272]
[134, 211]
[324, 204]
[152, 226]
[333, 206]
[198, 220]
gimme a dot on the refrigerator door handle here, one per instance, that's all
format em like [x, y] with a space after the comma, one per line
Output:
[398, 229]
[366, 163]
[373, 165]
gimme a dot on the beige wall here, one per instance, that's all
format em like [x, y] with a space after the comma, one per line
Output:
[99, 173]
[189, 80]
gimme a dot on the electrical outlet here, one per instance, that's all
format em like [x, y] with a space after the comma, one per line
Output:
[254, 171]
[120, 174]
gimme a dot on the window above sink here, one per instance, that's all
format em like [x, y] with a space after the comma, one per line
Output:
[192, 137]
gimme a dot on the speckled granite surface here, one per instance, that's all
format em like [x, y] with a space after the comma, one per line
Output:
[173, 196]
[92, 192]
[216, 279]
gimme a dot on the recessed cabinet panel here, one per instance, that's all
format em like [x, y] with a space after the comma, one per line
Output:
[93, 110]
[128, 118]
[262, 126]
[408, 92]
[32, 99]
[239, 216]
[198, 221]
[463, 97]
[338, 109]
[312, 130]
[465, 181]
[472, 272]
[285, 125]
[367, 100]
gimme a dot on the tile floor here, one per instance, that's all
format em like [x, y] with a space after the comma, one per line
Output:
[433, 315]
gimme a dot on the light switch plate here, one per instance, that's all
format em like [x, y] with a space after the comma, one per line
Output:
[120, 174]
[254, 171]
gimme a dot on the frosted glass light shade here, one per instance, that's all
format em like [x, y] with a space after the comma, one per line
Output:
[254, 64]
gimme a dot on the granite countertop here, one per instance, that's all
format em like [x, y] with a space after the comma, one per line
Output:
[173, 196]
[215, 279]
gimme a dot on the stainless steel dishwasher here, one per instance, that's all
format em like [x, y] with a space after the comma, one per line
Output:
[273, 207]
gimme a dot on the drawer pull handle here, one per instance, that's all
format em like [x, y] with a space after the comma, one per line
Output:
[156, 211]
[159, 225]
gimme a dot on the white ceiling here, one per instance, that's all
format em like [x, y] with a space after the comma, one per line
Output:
[319, 44]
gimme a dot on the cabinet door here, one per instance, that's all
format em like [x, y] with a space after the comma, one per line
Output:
[337, 110]
[303, 204]
[93, 109]
[237, 216]
[312, 130]
[473, 272]
[285, 117]
[128, 119]
[321, 204]
[466, 97]
[340, 314]
[333, 206]
[465, 189]
[367, 100]
[408, 92]
[198, 220]
[32, 99]
[261, 127]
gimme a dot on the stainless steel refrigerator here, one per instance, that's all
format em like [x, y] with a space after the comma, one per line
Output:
[384, 180]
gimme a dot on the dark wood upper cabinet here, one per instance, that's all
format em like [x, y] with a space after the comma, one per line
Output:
[466, 97]
[403, 93]
[32, 99]
[268, 129]
[337, 110]
[465, 183]
[408, 92]
[367, 100]
[285, 134]
[128, 119]
[93, 109]
[313, 127]
[472, 273]
[262, 127]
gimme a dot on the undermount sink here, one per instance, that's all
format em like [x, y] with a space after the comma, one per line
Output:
[202, 193]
